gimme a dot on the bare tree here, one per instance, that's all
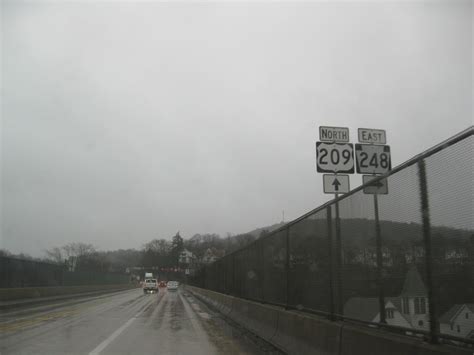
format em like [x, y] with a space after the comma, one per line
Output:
[78, 249]
[55, 254]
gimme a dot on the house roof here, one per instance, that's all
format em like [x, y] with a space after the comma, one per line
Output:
[367, 308]
[413, 285]
[362, 308]
[449, 316]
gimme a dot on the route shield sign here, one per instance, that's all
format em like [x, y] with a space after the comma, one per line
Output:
[379, 187]
[335, 157]
[373, 159]
[336, 184]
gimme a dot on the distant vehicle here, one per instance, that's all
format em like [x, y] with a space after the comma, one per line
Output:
[150, 286]
[172, 285]
[162, 284]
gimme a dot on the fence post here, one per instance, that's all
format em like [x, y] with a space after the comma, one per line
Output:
[378, 238]
[331, 263]
[262, 270]
[204, 278]
[234, 288]
[425, 214]
[287, 267]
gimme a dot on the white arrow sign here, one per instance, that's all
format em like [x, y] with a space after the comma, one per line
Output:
[336, 184]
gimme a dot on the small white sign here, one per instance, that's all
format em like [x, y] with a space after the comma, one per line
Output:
[335, 157]
[336, 184]
[379, 187]
[373, 159]
[372, 136]
[334, 134]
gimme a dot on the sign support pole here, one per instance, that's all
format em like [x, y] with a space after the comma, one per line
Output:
[330, 263]
[378, 238]
[338, 259]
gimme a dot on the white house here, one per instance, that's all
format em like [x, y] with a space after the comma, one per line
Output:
[367, 309]
[458, 321]
[414, 300]
[209, 256]
[186, 257]
[409, 310]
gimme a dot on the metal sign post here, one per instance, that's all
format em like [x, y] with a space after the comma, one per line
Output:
[335, 155]
[378, 238]
[374, 158]
[331, 266]
[339, 309]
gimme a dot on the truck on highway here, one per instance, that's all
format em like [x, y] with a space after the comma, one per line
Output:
[150, 286]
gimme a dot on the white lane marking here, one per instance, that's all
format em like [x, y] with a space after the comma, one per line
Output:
[114, 335]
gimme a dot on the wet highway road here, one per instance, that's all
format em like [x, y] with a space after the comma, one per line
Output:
[170, 322]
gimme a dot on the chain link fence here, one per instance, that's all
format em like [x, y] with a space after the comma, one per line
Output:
[402, 261]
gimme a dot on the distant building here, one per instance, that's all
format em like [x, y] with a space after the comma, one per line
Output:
[367, 309]
[368, 256]
[456, 255]
[409, 310]
[458, 321]
[186, 257]
[211, 255]
[415, 254]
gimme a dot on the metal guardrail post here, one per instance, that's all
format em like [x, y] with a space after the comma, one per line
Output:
[287, 267]
[331, 262]
[378, 238]
[425, 214]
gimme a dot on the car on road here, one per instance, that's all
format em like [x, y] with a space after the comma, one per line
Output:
[162, 284]
[150, 286]
[172, 285]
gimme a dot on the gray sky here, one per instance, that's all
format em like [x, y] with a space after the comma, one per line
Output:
[123, 122]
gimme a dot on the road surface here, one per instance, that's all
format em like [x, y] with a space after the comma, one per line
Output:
[129, 322]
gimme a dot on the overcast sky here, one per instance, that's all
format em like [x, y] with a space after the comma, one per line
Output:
[123, 122]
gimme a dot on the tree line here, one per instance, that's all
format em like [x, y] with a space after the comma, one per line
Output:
[158, 252]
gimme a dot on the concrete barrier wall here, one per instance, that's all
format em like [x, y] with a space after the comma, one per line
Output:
[301, 333]
[12, 294]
